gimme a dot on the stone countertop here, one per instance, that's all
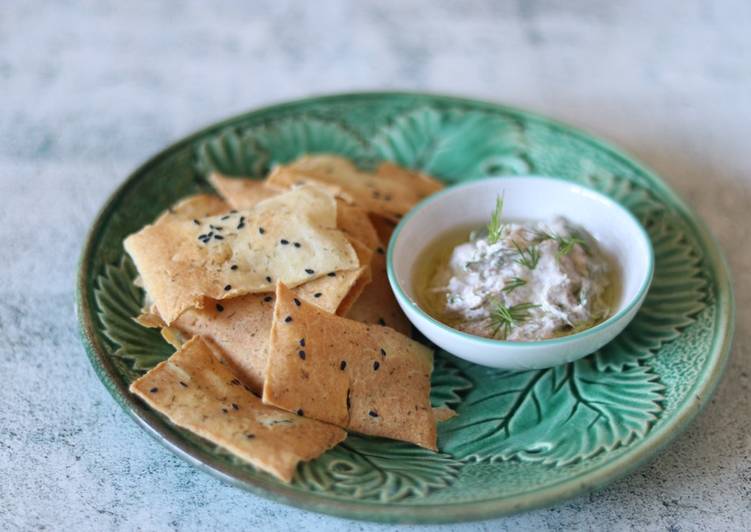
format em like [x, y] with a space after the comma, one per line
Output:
[88, 90]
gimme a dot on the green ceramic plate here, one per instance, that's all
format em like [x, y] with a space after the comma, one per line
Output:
[521, 440]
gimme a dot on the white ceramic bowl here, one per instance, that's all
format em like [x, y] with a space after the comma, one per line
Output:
[530, 198]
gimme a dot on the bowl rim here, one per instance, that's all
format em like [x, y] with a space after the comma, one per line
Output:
[630, 305]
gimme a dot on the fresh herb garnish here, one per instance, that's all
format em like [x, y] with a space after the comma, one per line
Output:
[513, 284]
[495, 226]
[528, 257]
[504, 318]
[565, 243]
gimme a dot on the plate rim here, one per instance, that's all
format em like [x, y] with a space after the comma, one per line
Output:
[581, 483]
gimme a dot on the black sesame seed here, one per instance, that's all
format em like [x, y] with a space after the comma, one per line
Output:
[381, 321]
[300, 412]
[284, 241]
[235, 382]
[268, 279]
[247, 388]
[297, 302]
[268, 298]
[225, 410]
[376, 365]
[288, 319]
[343, 365]
[217, 227]
[380, 250]
[196, 222]
[233, 211]
[225, 217]
[331, 274]
[227, 288]
[235, 407]
[317, 295]
[309, 271]
[183, 384]
[250, 436]
[202, 237]
[154, 389]
[302, 342]
[241, 224]
[383, 352]
[233, 267]
[261, 230]
[373, 413]
[387, 197]
[297, 244]
[219, 307]
[301, 354]
[376, 194]
[209, 234]
[219, 237]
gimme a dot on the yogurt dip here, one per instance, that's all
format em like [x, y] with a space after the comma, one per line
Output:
[521, 281]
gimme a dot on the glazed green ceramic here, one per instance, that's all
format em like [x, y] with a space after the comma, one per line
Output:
[521, 440]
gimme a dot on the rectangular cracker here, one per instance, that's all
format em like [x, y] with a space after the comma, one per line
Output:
[365, 378]
[195, 391]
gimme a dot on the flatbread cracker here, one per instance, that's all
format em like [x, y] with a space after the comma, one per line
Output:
[377, 303]
[386, 195]
[364, 378]
[423, 185]
[198, 206]
[195, 391]
[291, 237]
[384, 228]
[242, 193]
[238, 328]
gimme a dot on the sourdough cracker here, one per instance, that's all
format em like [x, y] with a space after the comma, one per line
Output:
[388, 194]
[290, 237]
[366, 378]
[197, 392]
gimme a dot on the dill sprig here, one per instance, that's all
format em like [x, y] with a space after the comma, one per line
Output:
[495, 226]
[504, 318]
[565, 243]
[513, 284]
[528, 257]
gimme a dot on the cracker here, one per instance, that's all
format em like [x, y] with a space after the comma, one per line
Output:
[384, 228]
[198, 206]
[377, 303]
[195, 391]
[238, 328]
[291, 237]
[387, 194]
[364, 378]
[242, 193]
[423, 184]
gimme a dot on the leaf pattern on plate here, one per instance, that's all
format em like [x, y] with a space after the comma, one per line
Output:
[256, 150]
[377, 469]
[447, 384]
[454, 145]
[677, 294]
[556, 416]
[119, 301]
[231, 153]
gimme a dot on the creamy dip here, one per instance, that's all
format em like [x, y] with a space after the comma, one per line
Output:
[533, 281]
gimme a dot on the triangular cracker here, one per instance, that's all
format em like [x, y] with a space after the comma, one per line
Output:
[195, 391]
[365, 378]
[291, 237]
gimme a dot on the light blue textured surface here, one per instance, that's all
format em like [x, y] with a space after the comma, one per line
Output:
[88, 90]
